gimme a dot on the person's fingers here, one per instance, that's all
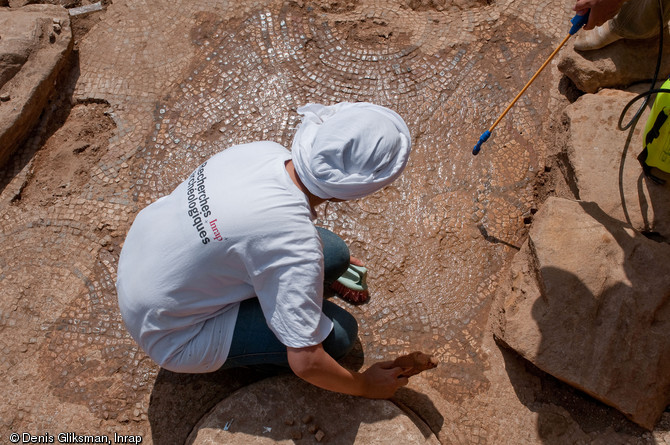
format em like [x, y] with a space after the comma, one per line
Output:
[355, 261]
[582, 6]
[386, 365]
[590, 23]
[403, 381]
[400, 371]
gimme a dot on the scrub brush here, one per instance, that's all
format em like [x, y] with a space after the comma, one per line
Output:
[351, 286]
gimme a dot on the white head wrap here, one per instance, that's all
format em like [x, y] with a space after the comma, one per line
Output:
[349, 150]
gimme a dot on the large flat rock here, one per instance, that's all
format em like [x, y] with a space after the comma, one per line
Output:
[603, 162]
[588, 301]
[285, 409]
[35, 42]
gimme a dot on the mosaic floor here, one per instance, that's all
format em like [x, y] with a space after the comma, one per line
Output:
[171, 83]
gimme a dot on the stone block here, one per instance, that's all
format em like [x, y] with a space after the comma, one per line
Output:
[35, 43]
[604, 167]
[587, 300]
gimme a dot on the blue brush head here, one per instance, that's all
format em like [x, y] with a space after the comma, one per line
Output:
[483, 138]
[578, 21]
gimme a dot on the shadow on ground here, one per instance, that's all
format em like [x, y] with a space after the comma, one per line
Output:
[542, 393]
[179, 401]
[285, 408]
[183, 405]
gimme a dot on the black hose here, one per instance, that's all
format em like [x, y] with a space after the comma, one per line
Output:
[645, 95]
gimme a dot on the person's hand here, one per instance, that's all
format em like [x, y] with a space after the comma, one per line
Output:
[601, 10]
[382, 380]
[314, 365]
[355, 261]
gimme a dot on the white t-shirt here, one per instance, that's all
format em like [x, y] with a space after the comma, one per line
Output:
[238, 227]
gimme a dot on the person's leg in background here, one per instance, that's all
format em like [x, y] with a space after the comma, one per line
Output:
[637, 19]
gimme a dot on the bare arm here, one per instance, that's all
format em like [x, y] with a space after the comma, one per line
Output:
[601, 10]
[314, 365]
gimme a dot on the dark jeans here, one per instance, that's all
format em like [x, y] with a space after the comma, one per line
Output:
[255, 344]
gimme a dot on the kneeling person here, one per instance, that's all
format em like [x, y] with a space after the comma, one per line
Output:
[228, 270]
